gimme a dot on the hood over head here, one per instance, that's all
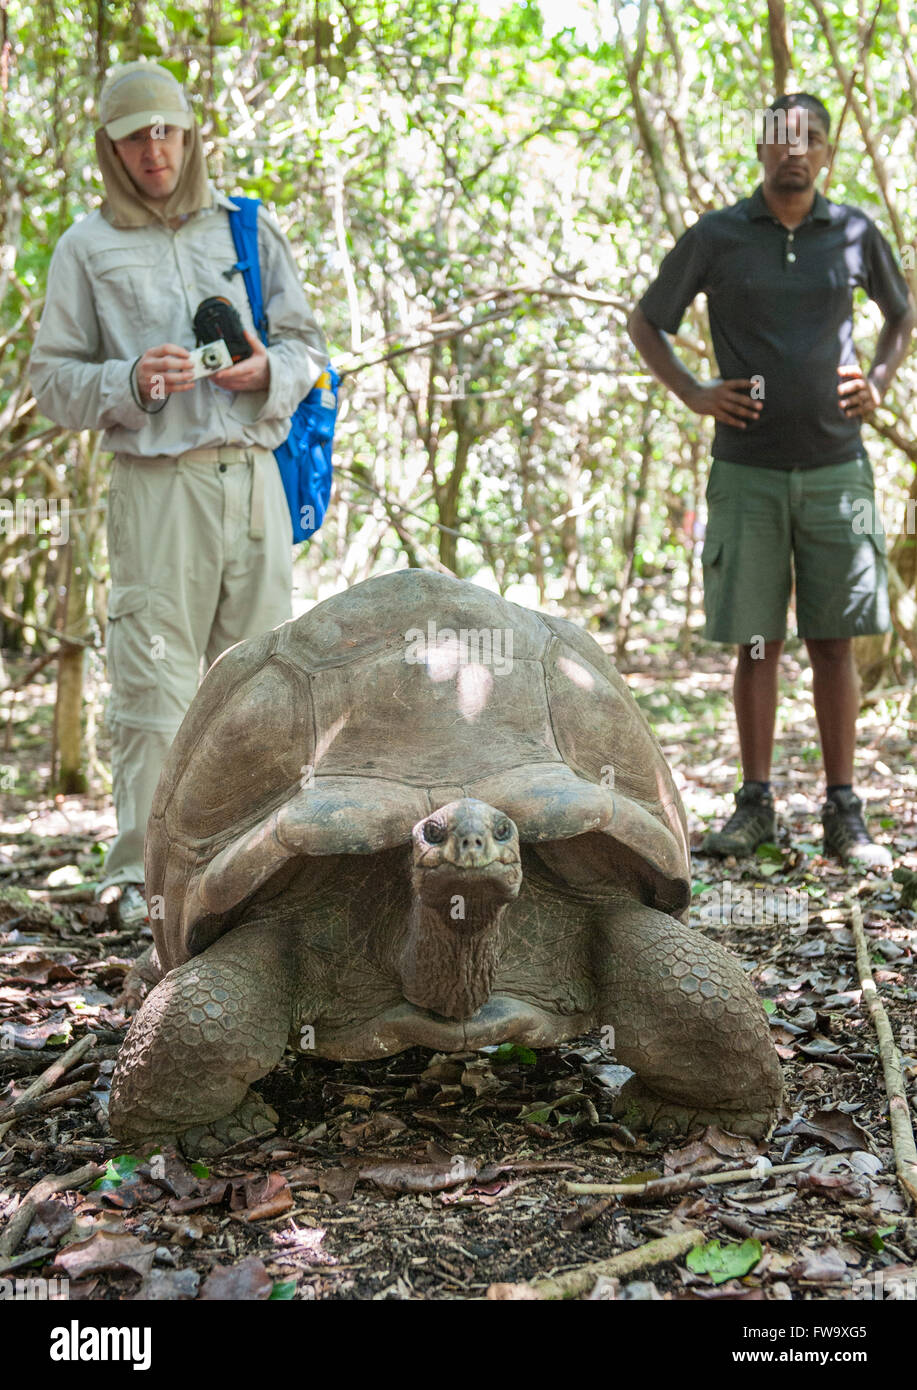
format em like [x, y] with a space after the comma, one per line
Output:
[133, 96]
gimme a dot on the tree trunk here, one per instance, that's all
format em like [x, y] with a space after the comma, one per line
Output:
[631, 537]
[68, 715]
[780, 44]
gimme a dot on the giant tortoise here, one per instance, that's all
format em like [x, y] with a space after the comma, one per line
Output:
[421, 815]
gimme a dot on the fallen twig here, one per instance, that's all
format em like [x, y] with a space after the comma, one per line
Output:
[22, 1219]
[22, 1106]
[899, 1116]
[38, 1252]
[79, 893]
[655, 1252]
[681, 1182]
[51, 1076]
[30, 866]
[747, 1228]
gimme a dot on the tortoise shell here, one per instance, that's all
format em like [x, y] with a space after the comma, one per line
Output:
[337, 731]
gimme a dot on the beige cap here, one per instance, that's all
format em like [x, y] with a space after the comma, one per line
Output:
[142, 94]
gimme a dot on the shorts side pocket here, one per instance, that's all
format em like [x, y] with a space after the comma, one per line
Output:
[712, 551]
[713, 561]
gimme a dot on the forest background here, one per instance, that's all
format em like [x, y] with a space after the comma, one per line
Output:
[476, 194]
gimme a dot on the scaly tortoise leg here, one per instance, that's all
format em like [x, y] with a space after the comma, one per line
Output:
[212, 1026]
[688, 1023]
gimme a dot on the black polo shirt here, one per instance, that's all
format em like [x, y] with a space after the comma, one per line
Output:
[781, 305]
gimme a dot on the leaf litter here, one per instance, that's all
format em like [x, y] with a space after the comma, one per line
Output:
[425, 1176]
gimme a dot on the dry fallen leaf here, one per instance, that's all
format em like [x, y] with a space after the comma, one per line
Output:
[105, 1250]
[339, 1183]
[836, 1128]
[42, 972]
[420, 1177]
[842, 1186]
[378, 1126]
[36, 1034]
[825, 1266]
[169, 1285]
[171, 1174]
[709, 1149]
[248, 1281]
[51, 1220]
[267, 1197]
[479, 1078]
[445, 1070]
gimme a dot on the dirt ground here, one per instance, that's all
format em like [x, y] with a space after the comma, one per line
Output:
[433, 1178]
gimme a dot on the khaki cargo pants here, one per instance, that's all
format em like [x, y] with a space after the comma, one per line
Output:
[200, 548]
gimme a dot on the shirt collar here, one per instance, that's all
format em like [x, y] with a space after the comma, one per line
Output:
[220, 199]
[217, 200]
[757, 208]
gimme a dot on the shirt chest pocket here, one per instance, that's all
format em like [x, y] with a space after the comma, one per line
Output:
[131, 298]
[212, 257]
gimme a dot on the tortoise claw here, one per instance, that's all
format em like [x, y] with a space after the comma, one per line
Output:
[251, 1118]
[641, 1110]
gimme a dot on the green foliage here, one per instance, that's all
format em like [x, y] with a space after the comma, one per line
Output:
[724, 1262]
[117, 1171]
[506, 1053]
[284, 1289]
[469, 195]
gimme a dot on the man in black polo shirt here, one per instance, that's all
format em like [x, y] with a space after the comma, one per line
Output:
[789, 473]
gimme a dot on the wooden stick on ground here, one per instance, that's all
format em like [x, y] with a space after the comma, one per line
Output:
[899, 1114]
[53, 1074]
[37, 1252]
[680, 1182]
[46, 1102]
[655, 1252]
[22, 1219]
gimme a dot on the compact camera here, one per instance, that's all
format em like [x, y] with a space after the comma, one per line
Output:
[210, 358]
[218, 328]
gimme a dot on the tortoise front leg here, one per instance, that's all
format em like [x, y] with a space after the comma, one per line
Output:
[211, 1027]
[688, 1023]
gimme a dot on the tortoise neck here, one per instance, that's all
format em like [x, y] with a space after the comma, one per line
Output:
[449, 964]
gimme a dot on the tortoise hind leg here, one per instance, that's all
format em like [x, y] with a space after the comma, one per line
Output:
[211, 1027]
[688, 1023]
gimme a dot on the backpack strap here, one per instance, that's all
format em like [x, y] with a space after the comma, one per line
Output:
[243, 224]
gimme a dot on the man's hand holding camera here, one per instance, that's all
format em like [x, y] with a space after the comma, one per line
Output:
[167, 369]
[251, 374]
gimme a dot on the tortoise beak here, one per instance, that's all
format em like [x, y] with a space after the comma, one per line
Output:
[492, 881]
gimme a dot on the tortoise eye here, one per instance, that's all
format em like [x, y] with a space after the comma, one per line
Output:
[434, 833]
[503, 831]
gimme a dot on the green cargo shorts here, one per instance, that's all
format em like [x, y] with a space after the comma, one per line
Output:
[769, 527]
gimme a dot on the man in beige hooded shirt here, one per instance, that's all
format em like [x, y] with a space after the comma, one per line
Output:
[199, 535]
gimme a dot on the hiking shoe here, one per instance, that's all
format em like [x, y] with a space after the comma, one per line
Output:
[846, 836]
[751, 824]
[132, 909]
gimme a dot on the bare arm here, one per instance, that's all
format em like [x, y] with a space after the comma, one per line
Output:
[728, 401]
[892, 347]
[859, 394]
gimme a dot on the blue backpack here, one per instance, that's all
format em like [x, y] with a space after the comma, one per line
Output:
[304, 457]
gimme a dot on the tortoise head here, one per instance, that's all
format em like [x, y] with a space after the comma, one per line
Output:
[466, 870]
[467, 850]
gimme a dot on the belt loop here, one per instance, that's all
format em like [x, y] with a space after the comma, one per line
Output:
[256, 517]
